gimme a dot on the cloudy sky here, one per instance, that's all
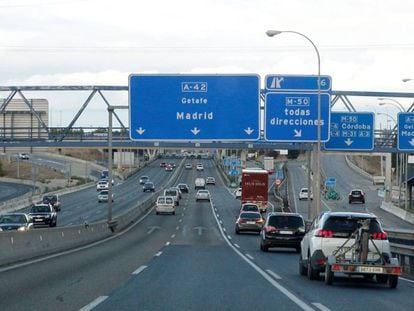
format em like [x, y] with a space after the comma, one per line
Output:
[365, 45]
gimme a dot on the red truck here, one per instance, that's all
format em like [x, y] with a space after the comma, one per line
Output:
[254, 184]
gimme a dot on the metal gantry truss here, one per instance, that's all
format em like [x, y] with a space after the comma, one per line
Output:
[384, 140]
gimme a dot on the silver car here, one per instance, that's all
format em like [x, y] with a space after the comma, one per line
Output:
[203, 195]
[249, 221]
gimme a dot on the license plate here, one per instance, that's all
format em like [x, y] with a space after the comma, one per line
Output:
[371, 269]
[250, 222]
[38, 220]
[286, 232]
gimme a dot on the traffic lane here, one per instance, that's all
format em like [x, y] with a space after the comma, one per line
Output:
[9, 191]
[70, 281]
[197, 278]
[282, 264]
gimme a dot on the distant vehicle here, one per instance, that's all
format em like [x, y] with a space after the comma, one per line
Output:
[105, 174]
[24, 156]
[163, 164]
[250, 207]
[238, 193]
[172, 164]
[179, 191]
[210, 181]
[43, 214]
[249, 221]
[143, 179]
[183, 187]
[173, 193]
[304, 194]
[15, 221]
[102, 185]
[269, 164]
[148, 186]
[103, 196]
[282, 230]
[202, 195]
[188, 166]
[356, 195]
[200, 183]
[254, 184]
[168, 168]
[165, 204]
[52, 199]
[200, 167]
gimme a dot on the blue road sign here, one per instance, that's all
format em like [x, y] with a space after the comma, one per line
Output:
[330, 182]
[194, 107]
[405, 131]
[293, 117]
[351, 131]
[277, 83]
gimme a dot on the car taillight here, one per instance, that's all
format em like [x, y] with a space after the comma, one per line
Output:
[242, 221]
[270, 229]
[260, 221]
[379, 236]
[324, 233]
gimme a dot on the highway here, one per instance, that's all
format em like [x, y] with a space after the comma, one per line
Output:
[190, 261]
[10, 191]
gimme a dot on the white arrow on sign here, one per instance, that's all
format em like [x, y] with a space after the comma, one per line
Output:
[195, 131]
[249, 130]
[298, 133]
[140, 131]
[411, 142]
[349, 142]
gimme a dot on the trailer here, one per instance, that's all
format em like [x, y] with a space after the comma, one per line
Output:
[254, 184]
[386, 270]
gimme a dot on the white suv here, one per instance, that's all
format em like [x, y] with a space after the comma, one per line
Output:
[332, 230]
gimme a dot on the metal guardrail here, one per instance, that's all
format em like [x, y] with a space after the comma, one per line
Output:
[402, 246]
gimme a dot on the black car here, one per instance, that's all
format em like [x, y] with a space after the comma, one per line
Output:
[43, 214]
[15, 221]
[183, 188]
[282, 230]
[148, 186]
[52, 199]
[356, 195]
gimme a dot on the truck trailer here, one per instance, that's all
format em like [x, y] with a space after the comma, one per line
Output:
[254, 186]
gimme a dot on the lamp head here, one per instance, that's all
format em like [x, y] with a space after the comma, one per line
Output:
[272, 33]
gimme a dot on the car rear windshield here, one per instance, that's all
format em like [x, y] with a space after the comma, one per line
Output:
[12, 219]
[171, 192]
[250, 216]
[165, 201]
[349, 224]
[286, 221]
[356, 192]
[40, 209]
[50, 198]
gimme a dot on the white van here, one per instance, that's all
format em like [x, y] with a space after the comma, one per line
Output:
[173, 193]
[165, 204]
[200, 183]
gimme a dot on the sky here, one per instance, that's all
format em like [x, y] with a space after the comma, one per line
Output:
[364, 45]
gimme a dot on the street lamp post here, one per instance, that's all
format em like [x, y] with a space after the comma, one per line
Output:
[317, 176]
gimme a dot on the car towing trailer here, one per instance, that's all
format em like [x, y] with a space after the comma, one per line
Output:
[386, 270]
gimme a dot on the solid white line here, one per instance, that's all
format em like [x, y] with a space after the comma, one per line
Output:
[320, 306]
[139, 270]
[407, 280]
[303, 305]
[158, 254]
[250, 256]
[94, 303]
[275, 276]
[224, 229]
[237, 245]
[180, 220]
[168, 243]
[221, 221]
[172, 236]
[177, 228]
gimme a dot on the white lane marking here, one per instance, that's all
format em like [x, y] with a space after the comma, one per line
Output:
[224, 229]
[218, 216]
[407, 280]
[215, 209]
[158, 254]
[139, 270]
[94, 303]
[180, 220]
[172, 236]
[320, 306]
[221, 221]
[275, 276]
[250, 256]
[237, 245]
[168, 243]
[303, 305]
[177, 228]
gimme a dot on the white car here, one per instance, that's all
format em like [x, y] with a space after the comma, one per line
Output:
[304, 194]
[238, 193]
[188, 166]
[330, 231]
[103, 196]
[200, 167]
[102, 185]
[203, 195]
[199, 183]
[174, 193]
[165, 204]
[210, 181]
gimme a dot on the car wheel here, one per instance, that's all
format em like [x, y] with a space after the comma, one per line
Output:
[157, 213]
[349, 202]
[329, 275]
[363, 202]
[264, 247]
[298, 249]
[173, 213]
[392, 281]
[312, 273]
[302, 267]
[237, 231]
